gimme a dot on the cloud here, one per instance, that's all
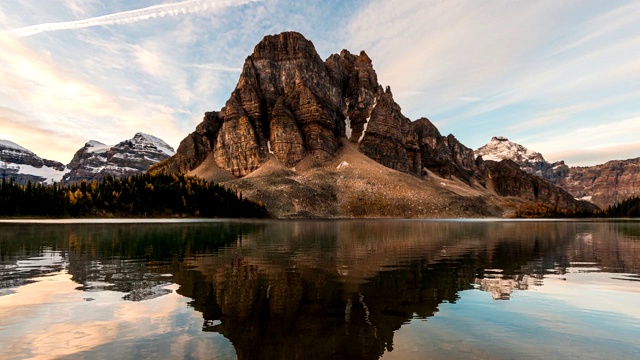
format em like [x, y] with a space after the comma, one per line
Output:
[48, 144]
[49, 102]
[532, 68]
[131, 16]
[595, 156]
[217, 67]
[592, 145]
[81, 8]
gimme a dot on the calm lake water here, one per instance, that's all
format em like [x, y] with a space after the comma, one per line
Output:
[320, 290]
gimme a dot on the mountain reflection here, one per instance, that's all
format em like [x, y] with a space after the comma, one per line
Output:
[335, 289]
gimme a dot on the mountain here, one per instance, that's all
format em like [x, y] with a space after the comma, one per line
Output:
[500, 148]
[603, 185]
[323, 138]
[96, 160]
[606, 184]
[22, 165]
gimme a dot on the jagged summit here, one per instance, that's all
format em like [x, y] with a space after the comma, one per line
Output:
[96, 146]
[147, 142]
[96, 160]
[291, 105]
[292, 115]
[500, 148]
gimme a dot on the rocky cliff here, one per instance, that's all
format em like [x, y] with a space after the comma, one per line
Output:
[22, 165]
[444, 155]
[507, 179]
[290, 104]
[319, 138]
[96, 160]
[603, 185]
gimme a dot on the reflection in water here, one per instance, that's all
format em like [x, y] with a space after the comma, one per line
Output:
[501, 289]
[323, 289]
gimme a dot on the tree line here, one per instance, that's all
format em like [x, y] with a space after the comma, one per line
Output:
[628, 208]
[139, 195]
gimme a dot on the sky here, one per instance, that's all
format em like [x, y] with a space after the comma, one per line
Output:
[559, 77]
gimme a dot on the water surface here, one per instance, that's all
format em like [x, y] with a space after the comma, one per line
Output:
[320, 289]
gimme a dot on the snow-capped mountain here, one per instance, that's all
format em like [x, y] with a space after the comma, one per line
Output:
[500, 148]
[96, 160]
[22, 165]
[603, 185]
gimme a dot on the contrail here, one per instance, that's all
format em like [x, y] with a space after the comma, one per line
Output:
[131, 16]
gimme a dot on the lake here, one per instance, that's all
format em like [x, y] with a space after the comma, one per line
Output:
[344, 289]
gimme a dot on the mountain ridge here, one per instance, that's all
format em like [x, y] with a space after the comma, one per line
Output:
[93, 161]
[604, 184]
[96, 160]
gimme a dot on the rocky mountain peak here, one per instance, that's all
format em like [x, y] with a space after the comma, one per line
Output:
[290, 108]
[290, 105]
[364, 59]
[532, 162]
[96, 146]
[500, 148]
[285, 46]
[96, 160]
[146, 142]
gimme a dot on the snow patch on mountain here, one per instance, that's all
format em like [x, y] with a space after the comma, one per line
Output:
[500, 148]
[129, 157]
[48, 174]
[21, 165]
[96, 146]
[12, 145]
[155, 142]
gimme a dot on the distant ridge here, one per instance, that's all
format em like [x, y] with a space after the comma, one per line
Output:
[96, 160]
[93, 161]
[604, 185]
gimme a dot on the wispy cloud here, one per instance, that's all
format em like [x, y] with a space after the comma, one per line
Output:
[131, 16]
[535, 68]
[592, 144]
[46, 101]
[531, 71]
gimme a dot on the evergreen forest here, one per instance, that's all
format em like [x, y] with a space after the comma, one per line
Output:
[629, 208]
[145, 195]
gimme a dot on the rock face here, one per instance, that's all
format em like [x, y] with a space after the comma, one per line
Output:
[603, 185]
[21, 165]
[291, 110]
[290, 104]
[508, 179]
[96, 160]
[444, 155]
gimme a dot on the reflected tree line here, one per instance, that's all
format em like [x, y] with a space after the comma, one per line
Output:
[250, 284]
